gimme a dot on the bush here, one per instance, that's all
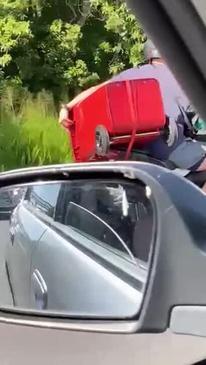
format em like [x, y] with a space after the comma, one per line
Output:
[29, 132]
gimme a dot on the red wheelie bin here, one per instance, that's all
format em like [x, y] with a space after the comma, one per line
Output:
[127, 113]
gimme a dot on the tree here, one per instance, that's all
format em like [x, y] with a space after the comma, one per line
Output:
[66, 45]
[123, 39]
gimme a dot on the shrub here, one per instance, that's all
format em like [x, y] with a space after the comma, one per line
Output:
[29, 132]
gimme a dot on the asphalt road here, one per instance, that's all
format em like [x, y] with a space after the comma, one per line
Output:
[20, 345]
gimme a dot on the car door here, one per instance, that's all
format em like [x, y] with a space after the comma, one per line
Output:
[28, 223]
[84, 252]
[72, 264]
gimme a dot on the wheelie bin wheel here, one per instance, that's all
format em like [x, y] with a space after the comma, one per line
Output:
[102, 141]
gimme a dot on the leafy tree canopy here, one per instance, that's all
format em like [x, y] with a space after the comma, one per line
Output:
[66, 45]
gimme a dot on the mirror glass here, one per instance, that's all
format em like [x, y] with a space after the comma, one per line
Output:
[76, 248]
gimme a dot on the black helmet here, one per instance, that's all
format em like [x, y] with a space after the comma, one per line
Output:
[150, 51]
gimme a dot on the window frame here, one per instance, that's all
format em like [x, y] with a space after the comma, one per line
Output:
[36, 210]
[107, 246]
[141, 263]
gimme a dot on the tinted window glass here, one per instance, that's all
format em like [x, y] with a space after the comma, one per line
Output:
[92, 225]
[115, 214]
[44, 197]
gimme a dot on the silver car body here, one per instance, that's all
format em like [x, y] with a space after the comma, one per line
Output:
[54, 267]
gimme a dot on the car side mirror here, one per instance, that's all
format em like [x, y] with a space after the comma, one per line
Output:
[110, 247]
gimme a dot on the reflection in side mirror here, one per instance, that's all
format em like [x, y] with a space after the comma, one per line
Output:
[9, 199]
[78, 248]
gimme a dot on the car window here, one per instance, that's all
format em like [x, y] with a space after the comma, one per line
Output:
[93, 226]
[43, 197]
[110, 213]
[6, 200]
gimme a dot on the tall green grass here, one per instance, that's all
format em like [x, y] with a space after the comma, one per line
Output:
[29, 131]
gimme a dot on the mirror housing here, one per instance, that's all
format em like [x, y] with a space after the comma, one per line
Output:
[177, 271]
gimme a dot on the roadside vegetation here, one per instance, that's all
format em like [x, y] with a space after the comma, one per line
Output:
[50, 50]
[29, 131]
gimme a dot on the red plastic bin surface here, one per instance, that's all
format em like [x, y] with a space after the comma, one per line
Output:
[119, 107]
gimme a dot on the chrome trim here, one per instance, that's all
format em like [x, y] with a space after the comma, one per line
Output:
[72, 167]
[118, 327]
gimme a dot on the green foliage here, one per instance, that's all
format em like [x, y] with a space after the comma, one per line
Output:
[66, 45]
[130, 35]
[31, 136]
[124, 37]
[61, 46]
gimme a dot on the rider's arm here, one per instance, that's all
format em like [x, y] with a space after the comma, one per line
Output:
[64, 116]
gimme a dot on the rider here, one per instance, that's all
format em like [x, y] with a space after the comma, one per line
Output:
[184, 152]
